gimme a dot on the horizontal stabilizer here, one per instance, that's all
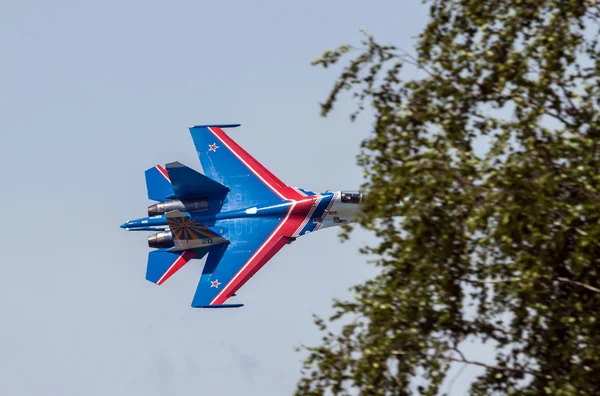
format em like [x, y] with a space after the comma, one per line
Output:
[163, 264]
[158, 184]
[186, 228]
[188, 183]
[190, 234]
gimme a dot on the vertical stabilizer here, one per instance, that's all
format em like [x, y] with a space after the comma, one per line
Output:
[158, 184]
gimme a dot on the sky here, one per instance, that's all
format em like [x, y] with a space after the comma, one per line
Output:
[93, 94]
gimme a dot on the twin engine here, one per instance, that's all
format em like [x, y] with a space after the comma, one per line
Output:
[164, 239]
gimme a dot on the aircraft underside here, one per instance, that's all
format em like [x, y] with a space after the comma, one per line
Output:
[237, 213]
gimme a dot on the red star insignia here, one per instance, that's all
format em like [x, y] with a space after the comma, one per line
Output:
[213, 147]
[215, 284]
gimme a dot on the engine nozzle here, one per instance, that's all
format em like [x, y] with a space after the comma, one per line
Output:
[160, 240]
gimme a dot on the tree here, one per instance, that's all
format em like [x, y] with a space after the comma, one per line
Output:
[502, 244]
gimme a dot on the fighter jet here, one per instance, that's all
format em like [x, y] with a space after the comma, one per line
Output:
[237, 212]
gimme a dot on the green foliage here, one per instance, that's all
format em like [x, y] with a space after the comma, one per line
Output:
[502, 244]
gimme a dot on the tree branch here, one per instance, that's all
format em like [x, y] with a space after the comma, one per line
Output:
[491, 326]
[507, 96]
[516, 279]
[463, 359]
[584, 285]
[490, 281]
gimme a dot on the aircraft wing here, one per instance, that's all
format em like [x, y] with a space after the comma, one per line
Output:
[226, 162]
[252, 243]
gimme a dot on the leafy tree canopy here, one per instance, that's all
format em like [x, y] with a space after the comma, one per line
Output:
[500, 244]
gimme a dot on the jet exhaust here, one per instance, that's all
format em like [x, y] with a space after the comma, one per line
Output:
[163, 239]
[183, 206]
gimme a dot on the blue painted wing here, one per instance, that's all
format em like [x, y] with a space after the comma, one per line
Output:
[227, 163]
[229, 266]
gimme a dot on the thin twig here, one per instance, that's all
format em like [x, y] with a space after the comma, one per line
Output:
[472, 362]
[491, 326]
[516, 279]
[458, 374]
[584, 285]
[491, 281]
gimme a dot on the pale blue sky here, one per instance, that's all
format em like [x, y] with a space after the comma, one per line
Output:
[90, 97]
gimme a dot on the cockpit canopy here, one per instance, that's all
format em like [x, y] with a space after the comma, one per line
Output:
[354, 197]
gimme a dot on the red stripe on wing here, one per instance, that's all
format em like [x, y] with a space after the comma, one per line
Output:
[295, 216]
[265, 175]
[281, 242]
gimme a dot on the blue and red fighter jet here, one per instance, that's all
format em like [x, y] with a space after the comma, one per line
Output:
[237, 212]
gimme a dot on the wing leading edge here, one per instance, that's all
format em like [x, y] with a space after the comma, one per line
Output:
[226, 162]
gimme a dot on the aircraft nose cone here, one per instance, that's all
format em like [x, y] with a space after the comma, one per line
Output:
[124, 225]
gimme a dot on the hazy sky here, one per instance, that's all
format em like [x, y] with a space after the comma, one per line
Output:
[90, 97]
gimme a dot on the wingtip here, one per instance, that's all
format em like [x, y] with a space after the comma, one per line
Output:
[218, 306]
[216, 126]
